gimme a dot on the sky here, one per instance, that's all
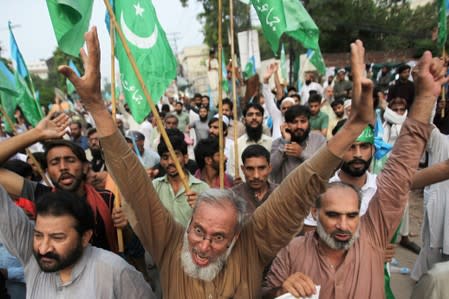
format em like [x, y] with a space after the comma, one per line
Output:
[36, 38]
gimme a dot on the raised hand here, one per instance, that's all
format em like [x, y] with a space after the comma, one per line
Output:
[428, 76]
[362, 110]
[271, 69]
[53, 128]
[89, 85]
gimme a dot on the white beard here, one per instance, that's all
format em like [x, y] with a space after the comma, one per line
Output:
[207, 273]
[331, 242]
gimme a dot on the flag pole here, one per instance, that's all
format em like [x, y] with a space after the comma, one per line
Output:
[29, 153]
[443, 89]
[117, 200]
[113, 100]
[220, 94]
[234, 90]
[148, 98]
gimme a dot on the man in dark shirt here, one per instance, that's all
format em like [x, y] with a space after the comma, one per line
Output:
[403, 87]
[67, 166]
[256, 168]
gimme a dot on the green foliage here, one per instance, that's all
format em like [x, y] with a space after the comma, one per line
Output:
[381, 24]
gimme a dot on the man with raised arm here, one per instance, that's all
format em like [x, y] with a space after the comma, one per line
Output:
[345, 255]
[220, 254]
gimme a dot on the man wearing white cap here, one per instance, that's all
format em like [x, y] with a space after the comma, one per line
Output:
[341, 85]
[309, 85]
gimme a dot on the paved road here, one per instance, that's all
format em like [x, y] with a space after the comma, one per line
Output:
[402, 284]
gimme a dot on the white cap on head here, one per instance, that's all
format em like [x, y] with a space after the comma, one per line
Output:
[342, 70]
[347, 104]
[225, 119]
[288, 100]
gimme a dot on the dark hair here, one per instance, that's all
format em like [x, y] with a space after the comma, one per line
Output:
[203, 107]
[18, 166]
[227, 101]
[165, 108]
[214, 119]
[78, 123]
[197, 95]
[254, 105]
[75, 148]
[337, 102]
[91, 131]
[397, 100]
[40, 158]
[339, 185]
[315, 98]
[290, 88]
[61, 203]
[176, 138]
[295, 111]
[255, 151]
[205, 148]
[297, 96]
[171, 115]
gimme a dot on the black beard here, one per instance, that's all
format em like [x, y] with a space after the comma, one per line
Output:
[72, 257]
[340, 114]
[203, 119]
[300, 138]
[96, 153]
[346, 167]
[254, 134]
[308, 82]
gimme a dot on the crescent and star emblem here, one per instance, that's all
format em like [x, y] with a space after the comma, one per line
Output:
[138, 41]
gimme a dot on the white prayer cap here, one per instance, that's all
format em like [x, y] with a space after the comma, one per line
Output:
[288, 100]
[225, 119]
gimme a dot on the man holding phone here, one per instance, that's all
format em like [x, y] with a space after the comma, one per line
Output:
[296, 144]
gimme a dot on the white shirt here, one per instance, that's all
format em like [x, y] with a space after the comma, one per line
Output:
[368, 190]
[307, 88]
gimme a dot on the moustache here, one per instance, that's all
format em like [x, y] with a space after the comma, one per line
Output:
[357, 160]
[65, 175]
[341, 232]
[49, 255]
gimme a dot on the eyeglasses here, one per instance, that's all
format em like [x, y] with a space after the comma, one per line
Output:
[199, 235]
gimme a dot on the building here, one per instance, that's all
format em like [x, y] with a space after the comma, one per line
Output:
[39, 68]
[193, 61]
[416, 3]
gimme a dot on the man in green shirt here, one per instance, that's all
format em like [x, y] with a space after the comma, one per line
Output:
[169, 187]
[319, 121]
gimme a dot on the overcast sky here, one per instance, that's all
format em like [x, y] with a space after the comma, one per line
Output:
[36, 38]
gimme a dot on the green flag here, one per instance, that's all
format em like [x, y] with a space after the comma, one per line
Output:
[250, 68]
[290, 17]
[8, 103]
[442, 24]
[70, 20]
[224, 72]
[315, 58]
[26, 102]
[7, 81]
[151, 50]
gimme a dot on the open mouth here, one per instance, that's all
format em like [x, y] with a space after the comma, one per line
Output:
[342, 237]
[66, 179]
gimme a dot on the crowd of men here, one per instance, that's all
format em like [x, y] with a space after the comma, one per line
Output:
[307, 200]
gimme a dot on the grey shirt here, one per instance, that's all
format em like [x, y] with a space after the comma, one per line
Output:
[201, 129]
[98, 273]
[283, 164]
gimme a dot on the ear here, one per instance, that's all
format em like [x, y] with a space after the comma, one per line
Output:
[270, 168]
[87, 235]
[242, 167]
[315, 213]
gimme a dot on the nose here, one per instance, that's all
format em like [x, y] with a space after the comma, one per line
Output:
[342, 223]
[204, 245]
[62, 165]
[44, 246]
[256, 174]
[356, 151]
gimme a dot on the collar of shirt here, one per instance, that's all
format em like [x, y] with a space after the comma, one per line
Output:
[77, 269]
[263, 138]
[370, 180]
[191, 179]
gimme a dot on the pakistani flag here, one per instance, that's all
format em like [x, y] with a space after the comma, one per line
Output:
[290, 17]
[70, 20]
[442, 24]
[151, 50]
[27, 103]
[7, 93]
[250, 68]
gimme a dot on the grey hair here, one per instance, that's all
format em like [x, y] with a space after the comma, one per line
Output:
[341, 185]
[218, 196]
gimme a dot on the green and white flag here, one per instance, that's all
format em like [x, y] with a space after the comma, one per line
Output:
[151, 50]
[290, 17]
[283, 67]
[70, 20]
[26, 102]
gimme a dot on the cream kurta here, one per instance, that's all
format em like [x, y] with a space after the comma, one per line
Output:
[271, 227]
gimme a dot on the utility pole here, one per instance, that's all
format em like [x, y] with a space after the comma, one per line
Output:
[3, 29]
[173, 38]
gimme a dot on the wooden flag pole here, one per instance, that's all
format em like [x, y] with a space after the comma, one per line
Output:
[29, 153]
[234, 90]
[113, 99]
[148, 98]
[220, 94]
[443, 89]
[117, 199]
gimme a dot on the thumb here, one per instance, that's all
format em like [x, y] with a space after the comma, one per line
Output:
[69, 74]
